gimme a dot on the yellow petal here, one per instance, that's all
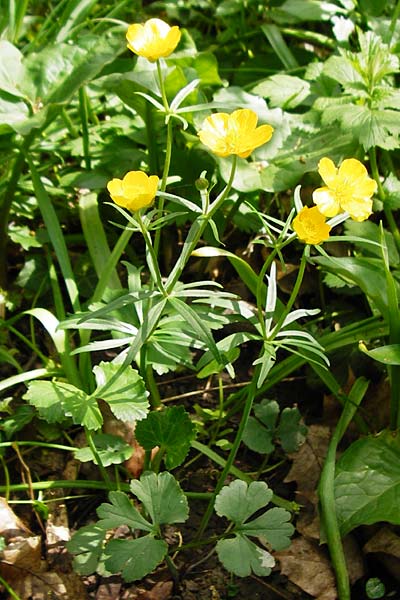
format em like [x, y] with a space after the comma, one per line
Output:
[352, 169]
[326, 201]
[115, 187]
[359, 209]
[135, 179]
[261, 135]
[366, 187]
[327, 170]
[244, 119]
[310, 226]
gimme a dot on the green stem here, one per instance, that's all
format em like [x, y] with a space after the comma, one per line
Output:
[232, 454]
[167, 161]
[172, 569]
[294, 294]
[382, 196]
[6, 476]
[393, 22]
[5, 205]
[84, 115]
[37, 444]
[97, 458]
[110, 265]
[196, 231]
[9, 589]
[151, 139]
[151, 255]
[80, 484]
[326, 491]
[155, 398]
[162, 87]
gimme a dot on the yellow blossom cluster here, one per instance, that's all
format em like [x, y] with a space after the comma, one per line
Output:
[348, 188]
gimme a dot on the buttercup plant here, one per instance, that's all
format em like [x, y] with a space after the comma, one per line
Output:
[151, 315]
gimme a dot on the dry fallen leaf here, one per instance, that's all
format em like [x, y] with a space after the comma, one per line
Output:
[10, 525]
[308, 461]
[386, 544]
[161, 591]
[306, 564]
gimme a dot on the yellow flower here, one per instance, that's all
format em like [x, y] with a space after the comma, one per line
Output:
[310, 226]
[134, 191]
[154, 39]
[236, 133]
[347, 188]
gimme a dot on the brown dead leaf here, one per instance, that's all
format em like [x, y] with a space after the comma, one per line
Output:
[308, 461]
[10, 525]
[108, 591]
[23, 553]
[161, 591]
[386, 541]
[306, 564]
[386, 545]
[44, 585]
[306, 472]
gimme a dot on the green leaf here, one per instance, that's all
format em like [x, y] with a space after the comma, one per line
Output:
[11, 69]
[241, 556]
[366, 273]
[238, 501]
[260, 431]
[24, 236]
[171, 430]
[162, 497]
[367, 482]
[273, 525]
[21, 416]
[87, 546]
[310, 10]
[56, 400]
[135, 558]
[121, 512]
[371, 232]
[112, 450]
[123, 390]
[388, 355]
[283, 90]
[291, 431]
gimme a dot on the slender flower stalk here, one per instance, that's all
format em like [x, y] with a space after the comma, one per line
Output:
[196, 231]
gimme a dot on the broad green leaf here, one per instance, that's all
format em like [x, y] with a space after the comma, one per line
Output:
[367, 482]
[21, 416]
[11, 69]
[24, 236]
[310, 10]
[272, 526]
[238, 501]
[283, 90]
[87, 546]
[162, 497]
[291, 431]
[171, 430]
[56, 400]
[123, 390]
[366, 273]
[243, 268]
[241, 556]
[112, 450]
[121, 512]
[260, 431]
[134, 558]
[371, 232]
[388, 355]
